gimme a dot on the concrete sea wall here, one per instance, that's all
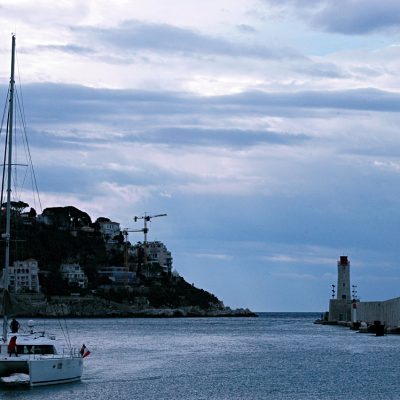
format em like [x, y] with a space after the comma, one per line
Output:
[388, 312]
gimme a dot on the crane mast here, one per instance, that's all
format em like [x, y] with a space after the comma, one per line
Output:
[146, 218]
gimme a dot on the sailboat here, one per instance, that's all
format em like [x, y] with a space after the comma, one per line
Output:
[35, 355]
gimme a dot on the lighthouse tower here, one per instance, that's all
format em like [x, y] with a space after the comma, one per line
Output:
[340, 308]
[343, 286]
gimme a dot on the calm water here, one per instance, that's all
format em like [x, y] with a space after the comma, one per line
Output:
[275, 356]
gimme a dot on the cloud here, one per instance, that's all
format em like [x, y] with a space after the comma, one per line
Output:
[67, 104]
[347, 17]
[358, 16]
[135, 35]
[67, 48]
[212, 256]
[355, 99]
[388, 165]
[296, 276]
[246, 28]
[310, 259]
[226, 137]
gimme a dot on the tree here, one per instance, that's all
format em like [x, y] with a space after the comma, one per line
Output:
[16, 206]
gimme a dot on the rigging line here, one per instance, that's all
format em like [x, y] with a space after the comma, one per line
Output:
[28, 171]
[4, 110]
[66, 328]
[14, 171]
[67, 338]
[5, 139]
[4, 162]
[45, 313]
[27, 149]
[22, 124]
[19, 113]
[21, 110]
[61, 327]
[33, 172]
[24, 129]
[17, 185]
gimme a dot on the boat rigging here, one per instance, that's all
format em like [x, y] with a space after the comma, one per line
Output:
[34, 354]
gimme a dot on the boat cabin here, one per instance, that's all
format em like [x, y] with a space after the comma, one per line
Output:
[27, 349]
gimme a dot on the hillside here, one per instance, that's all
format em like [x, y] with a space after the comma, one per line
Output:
[65, 235]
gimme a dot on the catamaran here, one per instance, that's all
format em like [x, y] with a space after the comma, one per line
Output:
[29, 355]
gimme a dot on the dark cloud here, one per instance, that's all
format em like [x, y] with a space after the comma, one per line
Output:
[68, 48]
[68, 112]
[179, 118]
[347, 16]
[246, 28]
[218, 137]
[355, 99]
[132, 36]
[321, 70]
[73, 102]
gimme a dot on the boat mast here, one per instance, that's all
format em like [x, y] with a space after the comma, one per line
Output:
[7, 234]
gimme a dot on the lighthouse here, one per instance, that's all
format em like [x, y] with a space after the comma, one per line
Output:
[340, 308]
[343, 286]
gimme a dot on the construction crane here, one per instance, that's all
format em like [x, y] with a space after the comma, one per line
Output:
[125, 233]
[146, 218]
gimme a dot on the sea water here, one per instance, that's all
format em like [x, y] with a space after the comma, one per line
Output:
[275, 356]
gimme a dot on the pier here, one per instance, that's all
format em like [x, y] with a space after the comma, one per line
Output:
[379, 317]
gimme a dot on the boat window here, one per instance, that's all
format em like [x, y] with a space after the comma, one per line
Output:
[38, 349]
[44, 349]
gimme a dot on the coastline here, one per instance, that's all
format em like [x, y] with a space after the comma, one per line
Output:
[36, 306]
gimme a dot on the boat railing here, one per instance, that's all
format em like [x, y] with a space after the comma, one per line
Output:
[65, 353]
[71, 352]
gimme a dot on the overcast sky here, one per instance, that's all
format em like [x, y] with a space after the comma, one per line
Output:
[267, 130]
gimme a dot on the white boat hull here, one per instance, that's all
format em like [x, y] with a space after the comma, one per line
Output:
[54, 371]
[44, 370]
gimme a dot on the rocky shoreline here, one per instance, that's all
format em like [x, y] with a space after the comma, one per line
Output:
[31, 306]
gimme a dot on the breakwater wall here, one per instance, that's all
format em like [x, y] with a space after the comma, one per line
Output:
[388, 312]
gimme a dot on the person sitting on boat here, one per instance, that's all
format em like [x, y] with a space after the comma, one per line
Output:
[12, 346]
[14, 325]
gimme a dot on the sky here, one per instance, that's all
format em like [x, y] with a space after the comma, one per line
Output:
[266, 130]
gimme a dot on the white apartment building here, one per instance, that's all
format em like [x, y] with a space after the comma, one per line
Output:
[117, 275]
[157, 252]
[109, 230]
[23, 277]
[74, 275]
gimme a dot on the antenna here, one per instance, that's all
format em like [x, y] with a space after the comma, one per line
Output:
[333, 291]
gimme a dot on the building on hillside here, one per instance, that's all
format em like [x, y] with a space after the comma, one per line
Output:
[44, 219]
[74, 275]
[116, 276]
[23, 277]
[109, 230]
[157, 255]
